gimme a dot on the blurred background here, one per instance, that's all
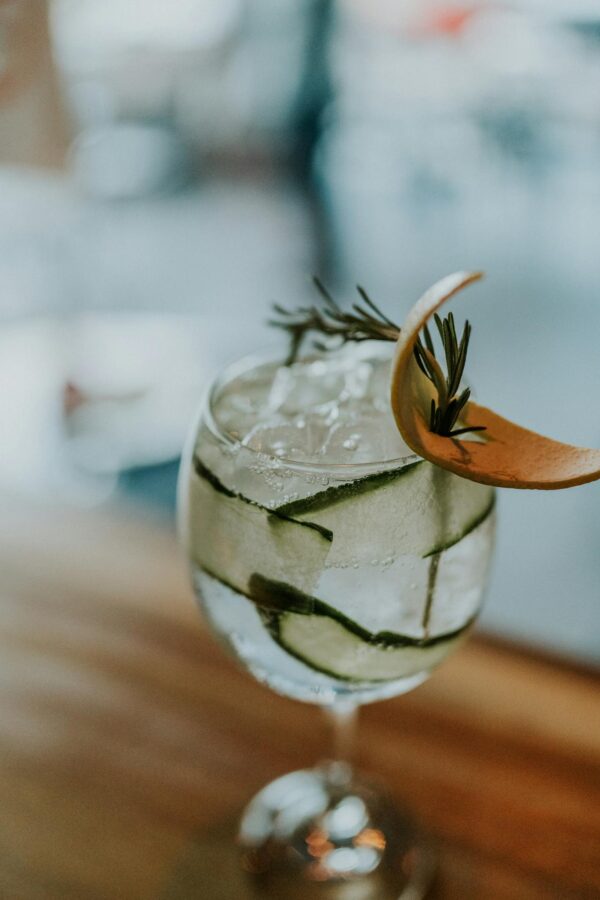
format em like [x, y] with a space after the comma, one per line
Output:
[168, 170]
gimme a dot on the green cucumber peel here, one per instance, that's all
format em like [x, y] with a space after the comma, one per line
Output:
[278, 597]
[274, 515]
[472, 525]
[342, 492]
[281, 607]
[331, 673]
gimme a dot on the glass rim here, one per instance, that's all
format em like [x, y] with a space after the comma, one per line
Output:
[245, 364]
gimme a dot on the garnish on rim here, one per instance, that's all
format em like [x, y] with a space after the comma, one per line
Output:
[368, 323]
[446, 408]
[363, 323]
[506, 455]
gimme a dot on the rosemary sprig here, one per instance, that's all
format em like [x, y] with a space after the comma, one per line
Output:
[445, 412]
[363, 323]
[367, 322]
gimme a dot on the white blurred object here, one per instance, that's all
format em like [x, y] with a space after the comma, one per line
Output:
[89, 32]
[121, 60]
[226, 73]
[233, 245]
[125, 161]
[137, 379]
[38, 213]
[86, 397]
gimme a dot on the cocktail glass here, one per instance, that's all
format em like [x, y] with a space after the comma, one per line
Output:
[339, 569]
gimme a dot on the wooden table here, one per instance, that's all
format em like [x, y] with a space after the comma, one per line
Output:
[125, 733]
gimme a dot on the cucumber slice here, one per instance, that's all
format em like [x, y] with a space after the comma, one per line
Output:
[231, 536]
[327, 645]
[348, 490]
[416, 510]
[208, 475]
[328, 641]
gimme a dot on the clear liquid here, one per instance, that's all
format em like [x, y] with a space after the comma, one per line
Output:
[318, 415]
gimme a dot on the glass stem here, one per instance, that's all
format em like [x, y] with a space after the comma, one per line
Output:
[343, 715]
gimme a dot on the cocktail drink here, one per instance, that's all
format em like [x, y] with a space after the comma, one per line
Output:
[333, 561]
[341, 565]
[338, 567]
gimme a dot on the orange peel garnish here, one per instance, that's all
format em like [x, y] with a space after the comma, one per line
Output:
[505, 454]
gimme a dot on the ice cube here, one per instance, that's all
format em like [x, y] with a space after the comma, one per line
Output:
[364, 436]
[300, 439]
[356, 381]
[379, 386]
[305, 386]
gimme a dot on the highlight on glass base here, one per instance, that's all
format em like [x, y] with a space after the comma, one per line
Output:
[340, 569]
[324, 832]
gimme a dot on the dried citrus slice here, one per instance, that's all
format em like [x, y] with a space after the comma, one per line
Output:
[505, 454]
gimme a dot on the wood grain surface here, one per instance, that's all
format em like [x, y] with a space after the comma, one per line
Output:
[126, 734]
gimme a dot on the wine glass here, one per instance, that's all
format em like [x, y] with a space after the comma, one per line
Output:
[339, 569]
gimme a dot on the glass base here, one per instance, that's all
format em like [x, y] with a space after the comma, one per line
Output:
[329, 833]
[316, 834]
